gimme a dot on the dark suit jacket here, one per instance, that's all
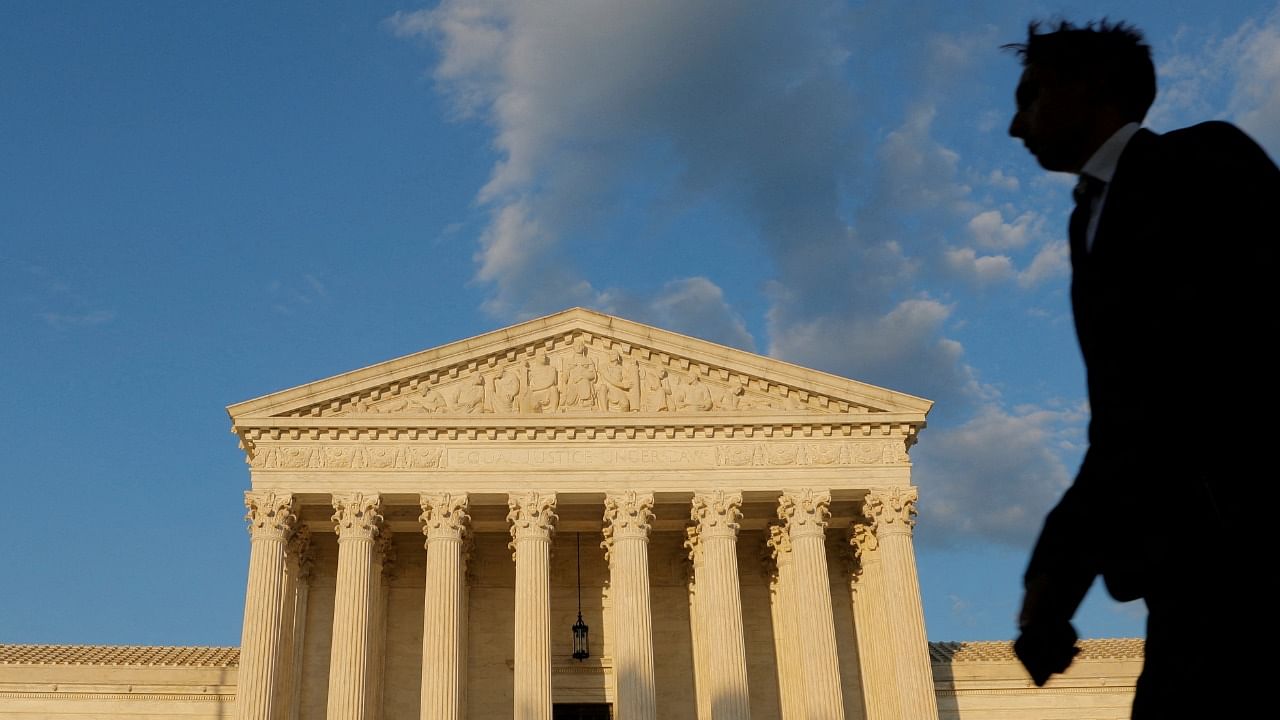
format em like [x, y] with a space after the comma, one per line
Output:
[1172, 305]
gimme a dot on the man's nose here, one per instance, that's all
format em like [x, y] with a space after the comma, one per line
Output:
[1016, 126]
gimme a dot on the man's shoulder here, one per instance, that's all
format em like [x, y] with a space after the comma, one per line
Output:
[1213, 149]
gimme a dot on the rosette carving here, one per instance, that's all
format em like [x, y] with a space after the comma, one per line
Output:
[892, 511]
[444, 516]
[717, 513]
[357, 515]
[270, 514]
[805, 511]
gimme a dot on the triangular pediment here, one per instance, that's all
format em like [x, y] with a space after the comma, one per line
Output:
[572, 363]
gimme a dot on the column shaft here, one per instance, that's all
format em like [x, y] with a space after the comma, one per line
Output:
[293, 618]
[271, 521]
[533, 518]
[877, 661]
[627, 522]
[697, 628]
[791, 687]
[717, 514]
[357, 523]
[445, 522]
[806, 515]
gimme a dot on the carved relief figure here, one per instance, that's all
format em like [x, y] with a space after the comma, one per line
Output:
[505, 391]
[730, 397]
[693, 395]
[471, 396]
[543, 394]
[434, 402]
[655, 393]
[619, 381]
[578, 379]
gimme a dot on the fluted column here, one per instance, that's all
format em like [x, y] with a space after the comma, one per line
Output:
[533, 520]
[717, 514]
[893, 512]
[697, 630]
[876, 656]
[627, 519]
[293, 622]
[384, 570]
[791, 683]
[806, 513]
[271, 522]
[358, 523]
[446, 524]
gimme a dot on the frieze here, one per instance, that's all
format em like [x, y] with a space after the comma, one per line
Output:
[579, 373]
[287, 456]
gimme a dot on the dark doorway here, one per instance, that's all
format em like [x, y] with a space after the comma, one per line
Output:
[581, 711]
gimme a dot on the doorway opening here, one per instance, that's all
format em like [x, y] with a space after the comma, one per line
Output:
[582, 711]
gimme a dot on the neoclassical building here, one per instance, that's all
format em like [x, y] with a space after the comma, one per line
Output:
[582, 517]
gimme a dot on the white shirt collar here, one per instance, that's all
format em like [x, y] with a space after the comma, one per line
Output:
[1102, 165]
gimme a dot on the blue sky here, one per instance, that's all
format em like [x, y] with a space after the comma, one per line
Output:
[204, 202]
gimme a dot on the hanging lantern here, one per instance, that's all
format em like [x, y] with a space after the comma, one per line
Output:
[581, 647]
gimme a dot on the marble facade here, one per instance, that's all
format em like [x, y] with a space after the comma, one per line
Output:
[738, 530]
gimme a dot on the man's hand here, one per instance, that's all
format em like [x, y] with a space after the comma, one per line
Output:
[1046, 649]
[1047, 644]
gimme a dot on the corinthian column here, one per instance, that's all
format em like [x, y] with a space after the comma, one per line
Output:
[293, 622]
[717, 514]
[358, 523]
[532, 519]
[893, 512]
[876, 653]
[697, 626]
[806, 513]
[383, 572]
[627, 518]
[446, 524]
[271, 522]
[791, 683]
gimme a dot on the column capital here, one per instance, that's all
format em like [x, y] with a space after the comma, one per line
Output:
[892, 511]
[532, 516]
[270, 514]
[385, 548]
[356, 515]
[779, 542]
[298, 552]
[444, 516]
[717, 513]
[805, 511]
[627, 515]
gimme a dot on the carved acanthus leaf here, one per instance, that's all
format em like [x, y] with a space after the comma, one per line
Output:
[626, 515]
[805, 511]
[892, 510]
[717, 513]
[356, 515]
[444, 516]
[269, 514]
[532, 516]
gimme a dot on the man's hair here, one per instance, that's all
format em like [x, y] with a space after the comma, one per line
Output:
[1113, 58]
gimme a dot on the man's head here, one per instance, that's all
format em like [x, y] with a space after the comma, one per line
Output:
[1079, 85]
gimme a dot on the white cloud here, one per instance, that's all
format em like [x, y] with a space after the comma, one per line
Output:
[990, 230]
[66, 320]
[983, 269]
[1053, 260]
[998, 179]
[995, 476]
[1255, 96]
[694, 305]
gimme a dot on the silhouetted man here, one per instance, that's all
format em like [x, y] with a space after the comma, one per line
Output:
[1173, 252]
